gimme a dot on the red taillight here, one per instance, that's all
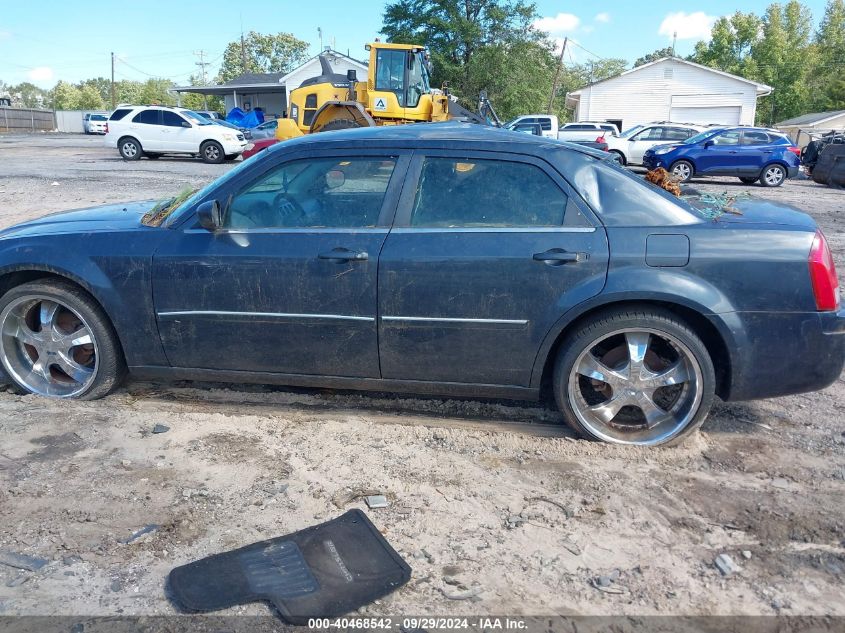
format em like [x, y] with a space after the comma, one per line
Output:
[823, 275]
[795, 150]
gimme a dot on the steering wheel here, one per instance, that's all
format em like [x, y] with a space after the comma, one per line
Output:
[288, 209]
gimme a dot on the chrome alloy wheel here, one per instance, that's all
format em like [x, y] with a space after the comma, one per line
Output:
[774, 175]
[130, 149]
[212, 152]
[636, 386]
[682, 172]
[47, 347]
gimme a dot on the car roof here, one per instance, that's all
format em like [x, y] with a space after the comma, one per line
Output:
[431, 135]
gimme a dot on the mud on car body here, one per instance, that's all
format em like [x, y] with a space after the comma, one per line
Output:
[444, 259]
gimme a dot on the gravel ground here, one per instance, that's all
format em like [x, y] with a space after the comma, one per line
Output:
[497, 498]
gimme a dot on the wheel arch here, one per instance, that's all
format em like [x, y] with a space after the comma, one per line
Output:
[126, 136]
[11, 278]
[712, 331]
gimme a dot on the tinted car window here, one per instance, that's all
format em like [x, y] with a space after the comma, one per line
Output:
[727, 138]
[580, 127]
[753, 137]
[117, 115]
[545, 124]
[675, 134]
[149, 117]
[486, 193]
[98, 117]
[172, 119]
[650, 134]
[325, 192]
[620, 197]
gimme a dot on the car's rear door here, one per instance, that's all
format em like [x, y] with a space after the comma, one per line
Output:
[289, 284]
[755, 150]
[488, 250]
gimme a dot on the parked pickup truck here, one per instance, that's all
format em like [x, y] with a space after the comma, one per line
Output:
[586, 131]
[548, 124]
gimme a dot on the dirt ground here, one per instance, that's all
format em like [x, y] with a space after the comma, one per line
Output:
[494, 502]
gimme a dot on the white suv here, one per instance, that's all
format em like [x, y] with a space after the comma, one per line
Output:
[155, 130]
[632, 144]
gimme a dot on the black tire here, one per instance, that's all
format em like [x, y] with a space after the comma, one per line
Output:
[603, 327]
[620, 155]
[110, 365]
[749, 180]
[339, 124]
[129, 148]
[682, 170]
[152, 156]
[230, 157]
[212, 152]
[773, 175]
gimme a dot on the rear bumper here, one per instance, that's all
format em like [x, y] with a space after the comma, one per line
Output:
[788, 353]
[791, 172]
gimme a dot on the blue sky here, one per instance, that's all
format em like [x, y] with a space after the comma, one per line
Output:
[57, 39]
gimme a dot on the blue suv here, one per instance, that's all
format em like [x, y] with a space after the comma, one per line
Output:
[750, 153]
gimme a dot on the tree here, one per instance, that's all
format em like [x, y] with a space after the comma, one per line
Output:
[65, 96]
[194, 101]
[155, 91]
[262, 53]
[101, 85]
[28, 95]
[826, 84]
[731, 42]
[660, 53]
[90, 98]
[471, 44]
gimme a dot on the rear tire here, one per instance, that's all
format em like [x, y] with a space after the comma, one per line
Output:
[682, 170]
[634, 376]
[620, 155]
[773, 176]
[339, 124]
[212, 152]
[749, 180]
[129, 148]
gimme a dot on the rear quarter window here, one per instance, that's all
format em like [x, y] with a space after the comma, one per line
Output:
[619, 197]
[118, 114]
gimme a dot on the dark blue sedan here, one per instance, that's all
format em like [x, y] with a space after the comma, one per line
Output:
[751, 154]
[439, 258]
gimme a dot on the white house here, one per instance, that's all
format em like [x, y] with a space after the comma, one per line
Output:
[269, 90]
[669, 89]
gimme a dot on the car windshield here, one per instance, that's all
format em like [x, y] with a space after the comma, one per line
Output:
[692, 140]
[197, 118]
[632, 130]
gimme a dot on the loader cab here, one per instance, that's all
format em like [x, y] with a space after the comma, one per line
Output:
[399, 85]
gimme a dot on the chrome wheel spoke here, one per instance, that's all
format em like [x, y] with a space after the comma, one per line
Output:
[81, 337]
[653, 414]
[592, 367]
[606, 411]
[675, 374]
[47, 315]
[74, 370]
[20, 330]
[637, 349]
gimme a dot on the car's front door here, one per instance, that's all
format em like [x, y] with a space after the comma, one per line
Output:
[487, 252]
[720, 154]
[288, 285]
[146, 127]
[643, 140]
[178, 132]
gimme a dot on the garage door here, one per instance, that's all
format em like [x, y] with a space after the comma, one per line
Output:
[724, 115]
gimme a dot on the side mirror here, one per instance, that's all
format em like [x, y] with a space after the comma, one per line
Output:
[709, 144]
[210, 216]
[351, 75]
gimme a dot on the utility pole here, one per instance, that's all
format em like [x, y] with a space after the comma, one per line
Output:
[674, 41]
[320, 35]
[202, 64]
[113, 99]
[557, 75]
[243, 53]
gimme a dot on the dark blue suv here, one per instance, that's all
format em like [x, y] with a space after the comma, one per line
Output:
[750, 153]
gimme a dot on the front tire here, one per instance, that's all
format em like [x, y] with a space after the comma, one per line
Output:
[635, 376]
[212, 152]
[682, 170]
[55, 341]
[773, 176]
[129, 148]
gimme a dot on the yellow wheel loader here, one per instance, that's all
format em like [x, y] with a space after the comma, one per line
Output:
[398, 91]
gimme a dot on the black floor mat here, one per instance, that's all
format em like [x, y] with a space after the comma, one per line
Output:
[322, 571]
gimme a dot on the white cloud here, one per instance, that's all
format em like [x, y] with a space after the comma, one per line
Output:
[603, 17]
[560, 23]
[688, 26]
[41, 73]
